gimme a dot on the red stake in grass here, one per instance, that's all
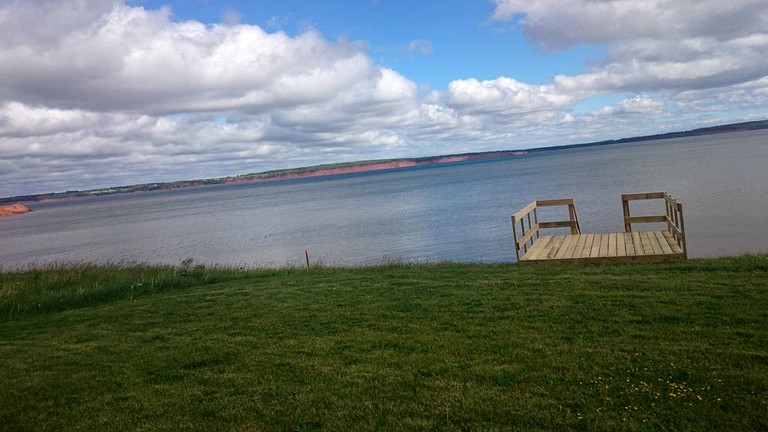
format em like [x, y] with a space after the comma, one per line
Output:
[306, 255]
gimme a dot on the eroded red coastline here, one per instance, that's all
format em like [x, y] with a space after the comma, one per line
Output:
[19, 208]
[13, 209]
[339, 170]
[374, 167]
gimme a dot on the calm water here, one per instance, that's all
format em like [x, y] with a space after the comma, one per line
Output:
[457, 212]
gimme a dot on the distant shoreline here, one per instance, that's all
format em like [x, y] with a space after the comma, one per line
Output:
[373, 166]
[365, 166]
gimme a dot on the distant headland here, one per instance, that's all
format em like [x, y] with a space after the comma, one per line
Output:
[363, 166]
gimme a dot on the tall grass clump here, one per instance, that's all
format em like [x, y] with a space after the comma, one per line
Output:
[58, 288]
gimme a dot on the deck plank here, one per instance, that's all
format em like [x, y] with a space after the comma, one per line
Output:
[654, 242]
[579, 252]
[577, 238]
[576, 252]
[672, 242]
[540, 248]
[663, 242]
[563, 249]
[630, 244]
[621, 246]
[594, 251]
[612, 244]
[587, 246]
[603, 245]
[557, 241]
[537, 246]
[646, 242]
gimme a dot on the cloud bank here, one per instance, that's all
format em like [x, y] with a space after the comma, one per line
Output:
[101, 93]
[653, 45]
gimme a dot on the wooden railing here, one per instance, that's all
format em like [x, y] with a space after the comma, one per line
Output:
[673, 216]
[527, 220]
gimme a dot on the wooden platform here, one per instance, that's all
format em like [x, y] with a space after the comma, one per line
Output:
[646, 246]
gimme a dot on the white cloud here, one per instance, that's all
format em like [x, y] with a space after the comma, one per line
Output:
[672, 45]
[633, 107]
[563, 23]
[17, 119]
[136, 59]
[744, 96]
[43, 22]
[503, 95]
[420, 45]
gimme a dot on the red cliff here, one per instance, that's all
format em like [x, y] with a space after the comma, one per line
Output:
[13, 209]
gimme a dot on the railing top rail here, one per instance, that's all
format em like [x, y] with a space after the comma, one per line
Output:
[542, 203]
[554, 202]
[652, 195]
[643, 196]
[524, 211]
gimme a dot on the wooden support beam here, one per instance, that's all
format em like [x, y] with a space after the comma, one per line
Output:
[645, 219]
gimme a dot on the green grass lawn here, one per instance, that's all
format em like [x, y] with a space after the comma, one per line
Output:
[400, 347]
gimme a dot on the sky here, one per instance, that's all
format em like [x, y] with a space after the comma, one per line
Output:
[101, 93]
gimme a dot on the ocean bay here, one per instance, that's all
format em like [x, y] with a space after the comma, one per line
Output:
[454, 212]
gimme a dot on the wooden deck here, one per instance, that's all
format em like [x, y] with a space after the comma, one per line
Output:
[636, 246]
[631, 246]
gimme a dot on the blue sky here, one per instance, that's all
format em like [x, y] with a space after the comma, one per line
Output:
[98, 93]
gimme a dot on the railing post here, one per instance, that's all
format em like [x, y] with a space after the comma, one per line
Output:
[576, 216]
[670, 218]
[676, 222]
[530, 226]
[625, 207]
[682, 230]
[573, 219]
[522, 228]
[514, 235]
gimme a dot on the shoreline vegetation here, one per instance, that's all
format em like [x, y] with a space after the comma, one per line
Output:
[364, 166]
[446, 346]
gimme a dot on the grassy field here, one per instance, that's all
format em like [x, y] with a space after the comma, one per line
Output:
[399, 347]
